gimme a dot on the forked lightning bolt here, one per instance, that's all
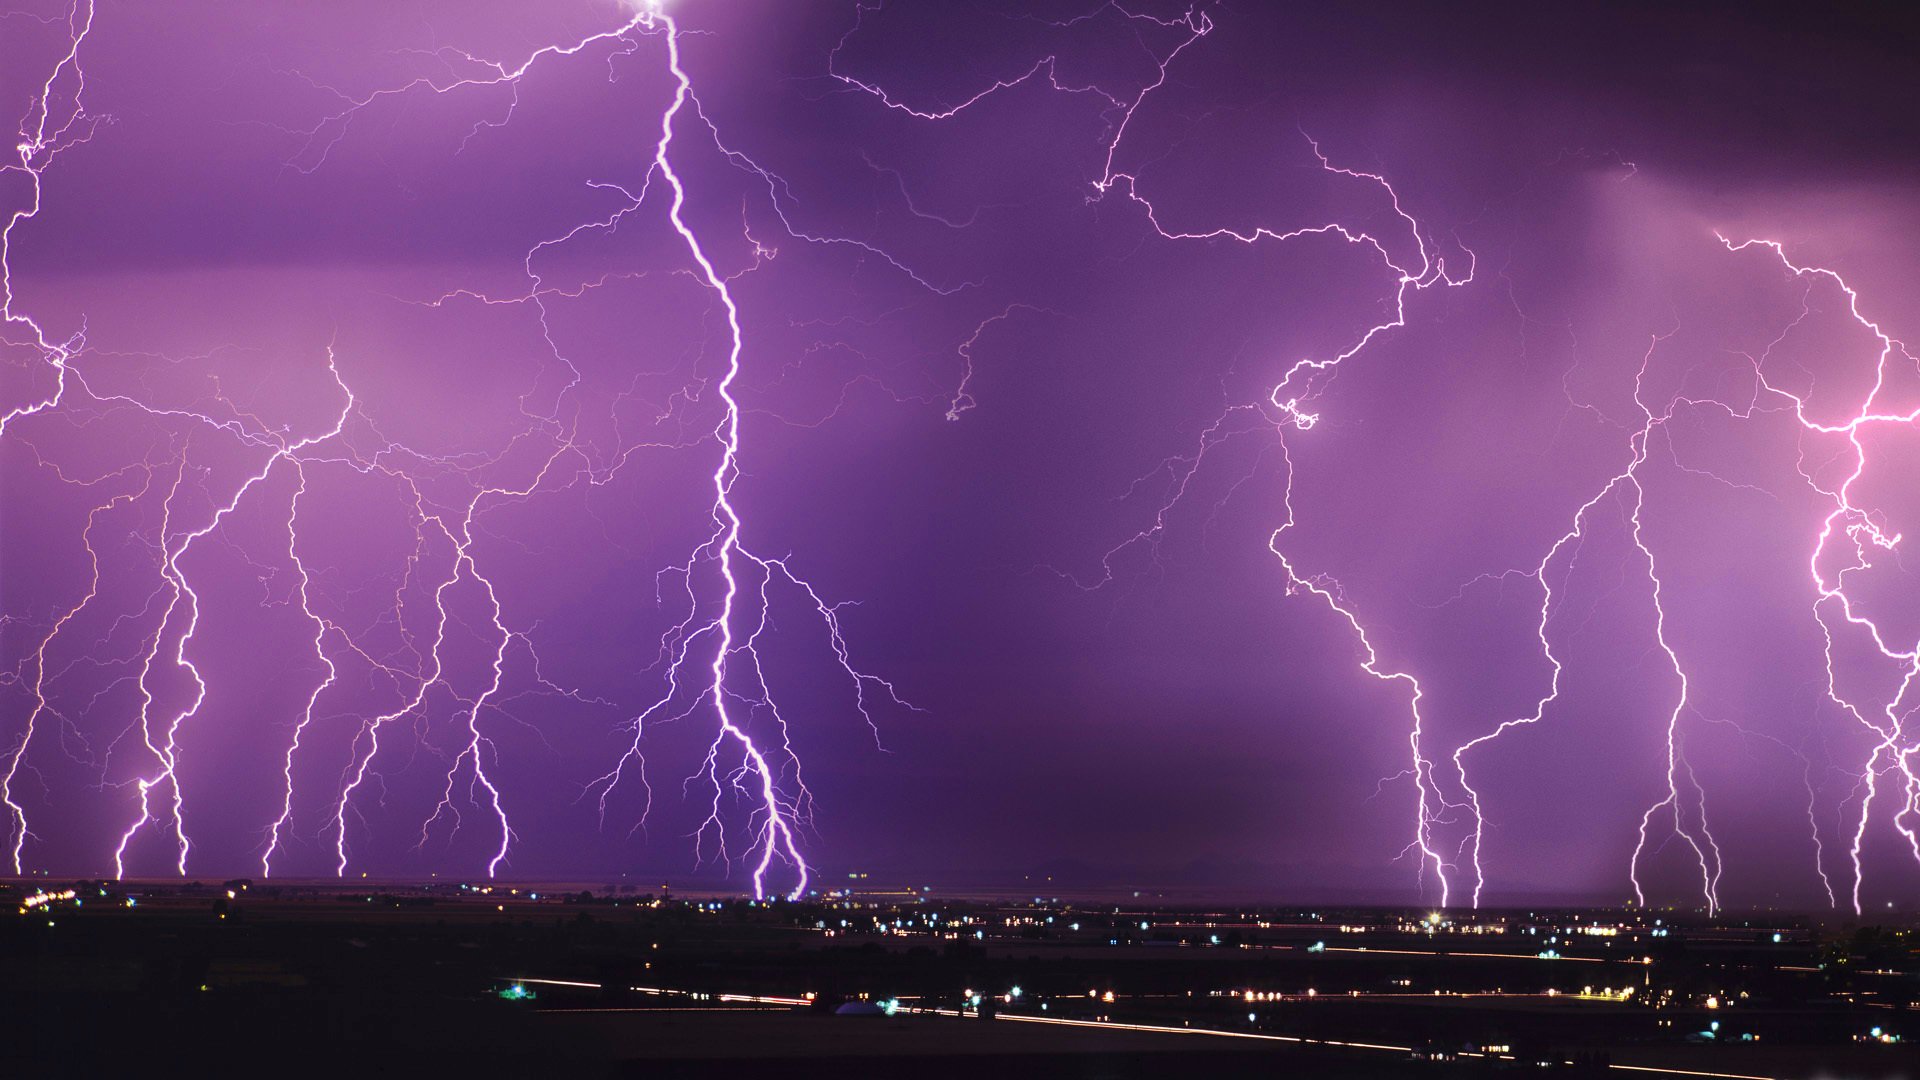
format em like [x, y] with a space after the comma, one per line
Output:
[755, 804]
[1286, 407]
[1682, 810]
[750, 754]
[768, 776]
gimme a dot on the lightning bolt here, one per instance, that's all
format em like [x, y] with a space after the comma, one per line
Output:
[163, 741]
[18, 824]
[715, 636]
[1847, 523]
[750, 754]
[767, 776]
[56, 122]
[1287, 413]
[1849, 534]
[757, 806]
[1697, 837]
[1286, 407]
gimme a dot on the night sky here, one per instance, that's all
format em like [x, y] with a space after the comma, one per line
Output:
[1016, 285]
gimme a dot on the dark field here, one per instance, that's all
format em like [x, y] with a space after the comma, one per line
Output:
[448, 978]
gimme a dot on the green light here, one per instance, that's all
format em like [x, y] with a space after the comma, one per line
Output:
[517, 992]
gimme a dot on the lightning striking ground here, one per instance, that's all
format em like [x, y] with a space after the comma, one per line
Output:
[374, 695]
[740, 759]
[1682, 810]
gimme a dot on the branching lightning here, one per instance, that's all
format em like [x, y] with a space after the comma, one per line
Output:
[750, 755]
[1286, 407]
[1849, 534]
[1287, 413]
[393, 687]
[768, 776]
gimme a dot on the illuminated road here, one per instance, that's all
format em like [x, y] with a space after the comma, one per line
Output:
[764, 1000]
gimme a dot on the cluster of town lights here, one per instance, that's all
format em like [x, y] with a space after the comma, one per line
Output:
[41, 899]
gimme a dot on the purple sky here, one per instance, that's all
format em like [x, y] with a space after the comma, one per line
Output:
[1062, 559]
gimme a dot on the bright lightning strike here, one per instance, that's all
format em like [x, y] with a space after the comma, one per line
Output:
[376, 693]
[750, 755]
[1849, 530]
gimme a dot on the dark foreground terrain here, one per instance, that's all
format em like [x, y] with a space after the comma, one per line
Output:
[501, 980]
